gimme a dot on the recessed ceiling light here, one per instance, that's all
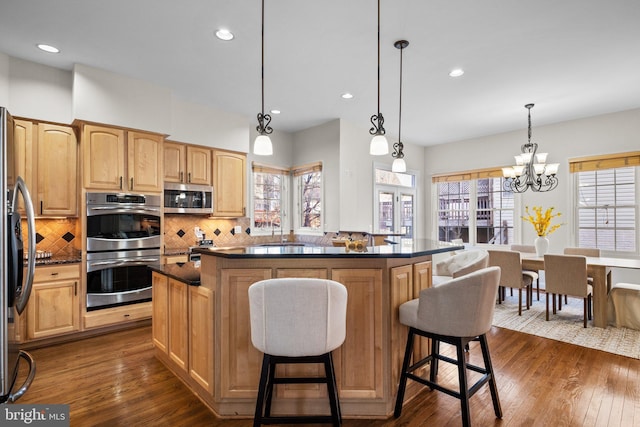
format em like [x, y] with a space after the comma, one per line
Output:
[223, 34]
[347, 95]
[48, 48]
[275, 111]
[456, 72]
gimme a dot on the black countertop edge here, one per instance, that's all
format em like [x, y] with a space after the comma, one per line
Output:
[185, 272]
[398, 250]
[55, 261]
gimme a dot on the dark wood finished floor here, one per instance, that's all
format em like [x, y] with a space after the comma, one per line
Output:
[114, 380]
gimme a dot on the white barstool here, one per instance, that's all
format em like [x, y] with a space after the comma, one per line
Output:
[456, 313]
[297, 320]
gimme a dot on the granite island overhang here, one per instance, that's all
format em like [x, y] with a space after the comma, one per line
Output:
[214, 356]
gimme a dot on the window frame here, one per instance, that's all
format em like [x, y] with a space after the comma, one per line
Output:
[284, 174]
[298, 172]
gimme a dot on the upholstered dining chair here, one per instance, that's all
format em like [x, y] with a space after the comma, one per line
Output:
[462, 263]
[297, 320]
[512, 276]
[456, 313]
[530, 249]
[567, 275]
[591, 252]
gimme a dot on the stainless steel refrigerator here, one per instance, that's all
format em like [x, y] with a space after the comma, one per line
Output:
[15, 280]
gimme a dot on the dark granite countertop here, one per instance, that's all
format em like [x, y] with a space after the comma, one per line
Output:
[400, 248]
[58, 259]
[186, 272]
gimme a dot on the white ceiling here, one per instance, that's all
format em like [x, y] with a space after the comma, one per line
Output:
[572, 58]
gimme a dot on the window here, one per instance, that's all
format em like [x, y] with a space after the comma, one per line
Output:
[475, 207]
[607, 209]
[308, 181]
[269, 196]
[606, 205]
[395, 198]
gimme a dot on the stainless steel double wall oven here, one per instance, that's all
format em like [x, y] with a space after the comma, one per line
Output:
[123, 239]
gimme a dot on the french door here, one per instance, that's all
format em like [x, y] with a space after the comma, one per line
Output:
[395, 210]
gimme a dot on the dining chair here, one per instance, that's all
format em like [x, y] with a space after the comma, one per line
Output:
[512, 276]
[297, 320]
[567, 275]
[535, 273]
[591, 252]
[456, 313]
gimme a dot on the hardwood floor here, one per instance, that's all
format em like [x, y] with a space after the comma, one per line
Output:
[114, 380]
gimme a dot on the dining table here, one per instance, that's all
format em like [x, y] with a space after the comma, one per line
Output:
[598, 268]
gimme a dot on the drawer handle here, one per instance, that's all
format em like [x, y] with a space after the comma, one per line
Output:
[126, 315]
[55, 274]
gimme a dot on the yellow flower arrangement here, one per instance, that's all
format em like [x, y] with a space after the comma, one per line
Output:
[542, 223]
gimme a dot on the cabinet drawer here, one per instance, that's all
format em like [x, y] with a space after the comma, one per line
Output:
[57, 272]
[110, 316]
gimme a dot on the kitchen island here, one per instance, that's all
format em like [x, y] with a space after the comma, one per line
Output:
[204, 334]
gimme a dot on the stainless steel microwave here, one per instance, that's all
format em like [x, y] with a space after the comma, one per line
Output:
[188, 198]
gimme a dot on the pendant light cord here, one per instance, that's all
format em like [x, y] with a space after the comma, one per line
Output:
[262, 65]
[400, 107]
[378, 58]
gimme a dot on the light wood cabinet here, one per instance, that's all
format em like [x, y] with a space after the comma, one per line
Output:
[115, 159]
[144, 162]
[229, 183]
[201, 351]
[57, 166]
[53, 306]
[178, 324]
[185, 163]
[160, 316]
[46, 157]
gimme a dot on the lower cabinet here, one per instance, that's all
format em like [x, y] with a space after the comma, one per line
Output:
[183, 328]
[53, 306]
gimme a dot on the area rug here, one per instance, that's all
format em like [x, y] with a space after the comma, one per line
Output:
[566, 326]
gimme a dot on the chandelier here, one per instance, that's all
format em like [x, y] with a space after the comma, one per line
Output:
[526, 174]
[379, 145]
[262, 145]
[399, 164]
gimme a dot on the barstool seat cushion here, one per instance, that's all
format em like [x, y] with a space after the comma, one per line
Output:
[624, 305]
[277, 305]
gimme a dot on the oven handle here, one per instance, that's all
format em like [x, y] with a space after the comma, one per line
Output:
[95, 210]
[91, 264]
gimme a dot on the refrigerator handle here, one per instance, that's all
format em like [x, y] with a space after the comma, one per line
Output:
[32, 373]
[21, 300]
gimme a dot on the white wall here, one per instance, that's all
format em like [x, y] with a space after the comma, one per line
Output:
[322, 143]
[4, 80]
[38, 91]
[198, 124]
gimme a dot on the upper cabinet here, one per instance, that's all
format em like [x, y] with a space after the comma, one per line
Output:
[229, 183]
[188, 164]
[45, 156]
[57, 171]
[115, 159]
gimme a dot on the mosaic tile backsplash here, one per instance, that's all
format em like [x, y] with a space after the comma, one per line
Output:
[58, 236]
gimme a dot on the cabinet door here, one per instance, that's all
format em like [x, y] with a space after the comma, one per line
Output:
[358, 362]
[103, 158]
[229, 184]
[57, 171]
[178, 324]
[422, 274]
[240, 361]
[174, 161]
[198, 165]
[53, 306]
[22, 156]
[160, 319]
[201, 337]
[401, 292]
[144, 162]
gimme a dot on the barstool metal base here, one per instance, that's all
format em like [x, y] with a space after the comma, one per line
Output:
[465, 392]
[268, 380]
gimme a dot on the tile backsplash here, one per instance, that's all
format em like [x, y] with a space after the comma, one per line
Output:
[59, 236]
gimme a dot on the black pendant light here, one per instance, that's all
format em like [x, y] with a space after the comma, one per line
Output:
[379, 145]
[399, 164]
[262, 145]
